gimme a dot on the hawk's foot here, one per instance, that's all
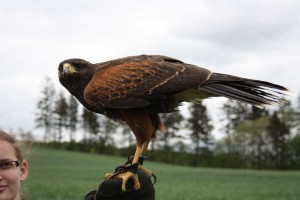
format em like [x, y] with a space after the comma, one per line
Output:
[125, 177]
[146, 170]
[125, 172]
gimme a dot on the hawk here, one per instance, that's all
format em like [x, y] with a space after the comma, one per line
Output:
[135, 89]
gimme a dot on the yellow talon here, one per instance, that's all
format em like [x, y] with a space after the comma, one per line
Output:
[126, 176]
[146, 170]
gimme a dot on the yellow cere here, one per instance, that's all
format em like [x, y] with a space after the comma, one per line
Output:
[69, 68]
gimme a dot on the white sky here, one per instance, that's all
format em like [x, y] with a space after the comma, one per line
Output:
[256, 39]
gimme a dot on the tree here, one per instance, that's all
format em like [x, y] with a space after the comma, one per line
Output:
[256, 112]
[173, 123]
[234, 112]
[237, 113]
[72, 116]
[288, 114]
[201, 127]
[278, 132]
[107, 129]
[251, 143]
[61, 114]
[45, 107]
[298, 115]
[127, 134]
[25, 136]
[90, 123]
[294, 144]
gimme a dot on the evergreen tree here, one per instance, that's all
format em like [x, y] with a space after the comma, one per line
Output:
[128, 135]
[61, 115]
[278, 132]
[288, 114]
[90, 123]
[298, 115]
[237, 113]
[251, 142]
[45, 107]
[256, 112]
[72, 116]
[234, 112]
[107, 129]
[173, 123]
[294, 144]
[201, 127]
[295, 141]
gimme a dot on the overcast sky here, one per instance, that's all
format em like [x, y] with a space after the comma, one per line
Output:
[255, 39]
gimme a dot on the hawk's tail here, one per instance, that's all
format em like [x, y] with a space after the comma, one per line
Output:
[258, 93]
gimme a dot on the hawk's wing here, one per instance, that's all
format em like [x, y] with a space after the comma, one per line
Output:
[139, 80]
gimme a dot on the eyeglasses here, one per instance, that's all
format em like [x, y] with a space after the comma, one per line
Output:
[9, 165]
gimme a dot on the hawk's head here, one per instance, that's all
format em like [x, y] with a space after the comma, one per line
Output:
[74, 74]
[71, 67]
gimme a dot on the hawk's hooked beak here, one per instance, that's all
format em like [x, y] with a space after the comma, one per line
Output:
[69, 69]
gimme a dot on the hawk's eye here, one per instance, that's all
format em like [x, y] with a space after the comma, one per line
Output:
[60, 68]
[79, 66]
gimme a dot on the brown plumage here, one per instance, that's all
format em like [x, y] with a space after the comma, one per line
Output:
[135, 89]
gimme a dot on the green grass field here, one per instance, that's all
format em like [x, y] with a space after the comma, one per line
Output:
[62, 175]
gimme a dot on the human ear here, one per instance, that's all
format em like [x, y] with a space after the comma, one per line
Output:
[24, 170]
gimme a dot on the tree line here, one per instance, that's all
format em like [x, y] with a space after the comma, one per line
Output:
[253, 138]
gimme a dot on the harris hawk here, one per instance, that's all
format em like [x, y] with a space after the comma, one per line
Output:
[135, 89]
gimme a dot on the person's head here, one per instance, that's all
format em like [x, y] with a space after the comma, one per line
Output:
[13, 168]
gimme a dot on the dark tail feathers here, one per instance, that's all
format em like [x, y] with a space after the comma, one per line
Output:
[258, 93]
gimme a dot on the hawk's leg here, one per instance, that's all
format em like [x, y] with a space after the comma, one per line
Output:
[131, 174]
[127, 171]
[146, 170]
[141, 160]
[143, 128]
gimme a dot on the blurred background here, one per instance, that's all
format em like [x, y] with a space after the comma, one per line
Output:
[253, 39]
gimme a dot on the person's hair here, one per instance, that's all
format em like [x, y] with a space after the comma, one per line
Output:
[16, 146]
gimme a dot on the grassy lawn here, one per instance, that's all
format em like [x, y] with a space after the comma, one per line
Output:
[63, 175]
